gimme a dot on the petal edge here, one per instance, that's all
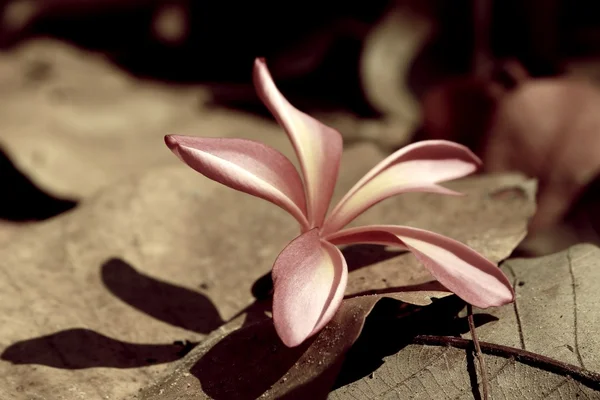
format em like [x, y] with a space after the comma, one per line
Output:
[418, 167]
[317, 146]
[245, 165]
[459, 268]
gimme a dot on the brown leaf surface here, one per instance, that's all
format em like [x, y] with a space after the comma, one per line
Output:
[95, 303]
[94, 124]
[123, 281]
[492, 219]
[555, 316]
[247, 360]
[7, 229]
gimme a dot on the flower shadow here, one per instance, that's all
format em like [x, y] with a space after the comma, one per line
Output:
[79, 348]
[383, 336]
[83, 348]
[246, 363]
[166, 302]
[251, 360]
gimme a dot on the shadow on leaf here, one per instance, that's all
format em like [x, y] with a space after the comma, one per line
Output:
[246, 363]
[166, 302]
[384, 336]
[251, 362]
[21, 200]
[84, 348]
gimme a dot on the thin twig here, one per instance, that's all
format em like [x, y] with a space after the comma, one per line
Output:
[586, 377]
[480, 359]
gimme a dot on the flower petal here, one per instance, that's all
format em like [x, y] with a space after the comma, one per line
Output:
[309, 278]
[318, 147]
[459, 268]
[415, 168]
[247, 166]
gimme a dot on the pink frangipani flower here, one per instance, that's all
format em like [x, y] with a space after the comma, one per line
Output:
[310, 274]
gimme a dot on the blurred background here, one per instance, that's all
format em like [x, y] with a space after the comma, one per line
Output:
[84, 82]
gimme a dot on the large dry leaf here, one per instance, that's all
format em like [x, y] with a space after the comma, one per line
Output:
[247, 360]
[244, 359]
[7, 230]
[94, 124]
[554, 320]
[89, 132]
[95, 302]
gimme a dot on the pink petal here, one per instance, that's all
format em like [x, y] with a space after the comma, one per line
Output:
[459, 268]
[309, 278]
[415, 168]
[318, 147]
[247, 166]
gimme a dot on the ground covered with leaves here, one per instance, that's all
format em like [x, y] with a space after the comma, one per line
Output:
[156, 284]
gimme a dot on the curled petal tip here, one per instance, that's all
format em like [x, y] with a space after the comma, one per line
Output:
[170, 141]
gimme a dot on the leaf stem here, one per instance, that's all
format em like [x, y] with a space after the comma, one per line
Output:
[480, 359]
[586, 377]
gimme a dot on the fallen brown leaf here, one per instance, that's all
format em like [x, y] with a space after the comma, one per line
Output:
[245, 359]
[545, 346]
[134, 276]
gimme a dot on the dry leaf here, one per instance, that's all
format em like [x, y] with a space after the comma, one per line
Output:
[7, 229]
[245, 359]
[96, 302]
[555, 316]
[125, 281]
[137, 274]
[88, 133]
